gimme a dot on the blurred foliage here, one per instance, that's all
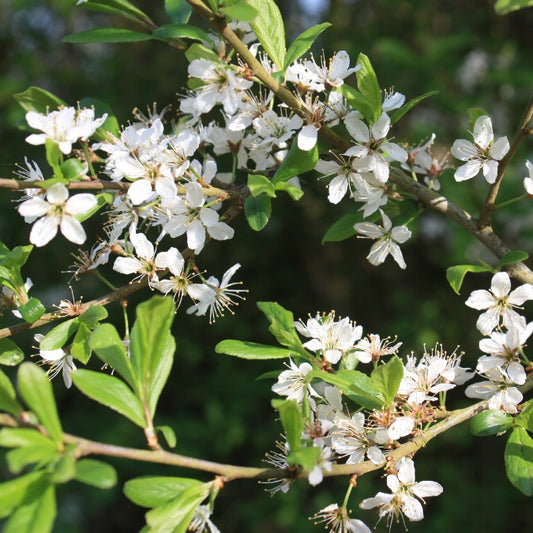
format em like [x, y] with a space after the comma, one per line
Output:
[461, 49]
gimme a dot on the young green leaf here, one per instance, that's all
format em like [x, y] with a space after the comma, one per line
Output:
[253, 350]
[357, 100]
[503, 7]
[473, 114]
[93, 315]
[153, 491]
[258, 211]
[386, 378]
[399, 113]
[32, 310]
[8, 403]
[269, 28]
[118, 7]
[178, 11]
[80, 349]
[10, 353]
[72, 169]
[181, 31]
[107, 345]
[307, 457]
[107, 35]
[490, 423]
[39, 100]
[169, 434]
[282, 326]
[14, 492]
[111, 392]
[58, 336]
[343, 228]
[367, 83]
[525, 418]
[514, 256]
[518, 457]
[36, 391]
[20, 458]
[456, 274]
[240, 11]
[110, 125]
[294, 192]
[295, 163]
[303, 42]
[95, 473]
[64, 469]
[260, 185]
[292, 421]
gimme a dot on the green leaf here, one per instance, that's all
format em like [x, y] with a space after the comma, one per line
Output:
[80, 349]
[473, 114]
[343, 228]
[8, 402]
[399, 113]
[107, 345]
[503, 7]
[181, 31]
[268, 26]
[10, 353]
[307, 457]
[153, 491]
[357, 100]
[169, 434]
[107, 35]
[178, 11]
[519, 460]
[295, 163]
[117, 7]
[257, 211]
[354, 384]
[102, 199]
[282, 326]
[367, 83]
[525, 418]
[292, 421]
[95, 473]
[58, 336]
[386, 378]
[253, 350]
[39, 100]
[54, 157]
[19, 458]
[72, 169]
[200, 51]
[492, 422]
[14, 492]
[16, 437]
[110, 125]
[64, 469]
[175, 515]
[36, 391]
[516, 256]
[303, 42]
[260, 185]
[152, 348]
[240, 11]
[93, 315]
[32, 310]
[37, 514]
[294, 192]
[111, 392]
[456, 274]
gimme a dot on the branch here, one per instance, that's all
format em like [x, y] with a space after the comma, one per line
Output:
[523, 131]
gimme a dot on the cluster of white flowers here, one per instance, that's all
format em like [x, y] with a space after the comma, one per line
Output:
[506, 332]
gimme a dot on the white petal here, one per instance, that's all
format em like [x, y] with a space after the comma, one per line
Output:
[80, 204]
[500, 148]
[500, 284]
[127, 265]
[480, 299]
[57, 194]
[426, 489]
[483, 134]
[139, 191]
[34, 207]
[307, 137]
[412, 508]
[44, 230]
[468, 170]
[72, 229]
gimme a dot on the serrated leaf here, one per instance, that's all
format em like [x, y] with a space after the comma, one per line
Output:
[260, 185]
[111, 392]
[295, 163]
[93, 315]
[175, 515]
[456, 274]
[240, 11]
[153, 491]
[107, 345]
[58, 336]
[8, 403]
[39, 100]
[80, 349]
[32, 310]
[169, 434]
[492, 422]
[178, 11]
[518, 457]
[367, 83]
[399, 113]
[107, 35]
[386, 378]
[36, 391]
[303, 42]
[269, 29]
[258, 211]
[181, 31]
[152, 348]
[10, 353]
[282, 326]
[503, 7]
[253, 350]
[292, 421]
[515, 256]
[95, 473]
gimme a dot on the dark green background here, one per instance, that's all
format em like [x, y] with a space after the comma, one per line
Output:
[213, 402]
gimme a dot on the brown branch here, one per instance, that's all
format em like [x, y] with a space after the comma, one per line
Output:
[523, 131]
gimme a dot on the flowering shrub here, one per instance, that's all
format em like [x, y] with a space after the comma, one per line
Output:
[257, 119]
